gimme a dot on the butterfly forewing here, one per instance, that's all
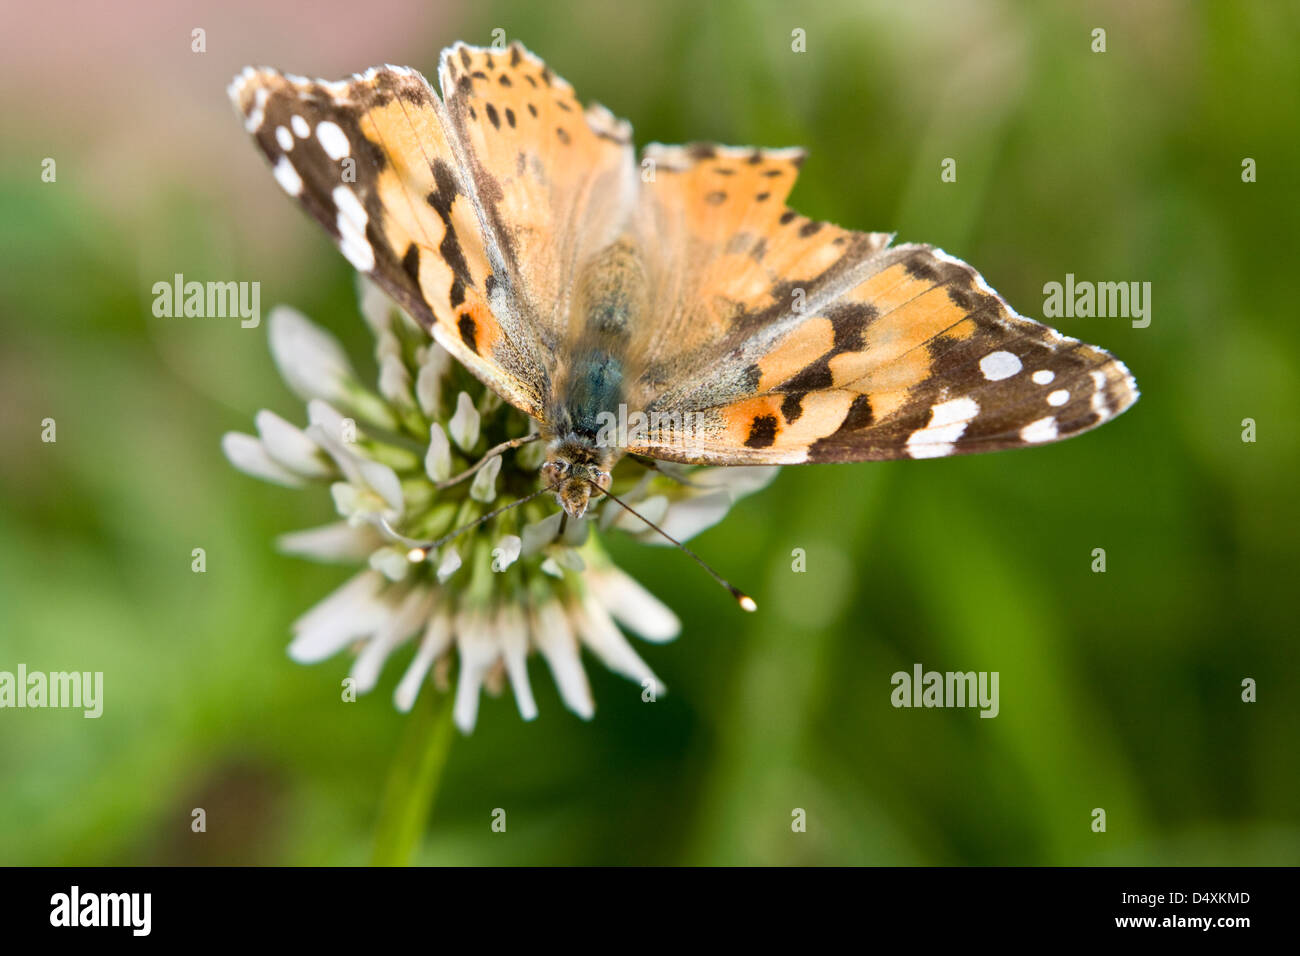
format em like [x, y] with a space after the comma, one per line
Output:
[370, 159]
[554, 182]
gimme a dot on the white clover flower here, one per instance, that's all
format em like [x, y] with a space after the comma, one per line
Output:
[311, 361]
[523, 581]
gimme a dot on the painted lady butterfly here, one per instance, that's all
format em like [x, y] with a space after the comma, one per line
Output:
[519, 228]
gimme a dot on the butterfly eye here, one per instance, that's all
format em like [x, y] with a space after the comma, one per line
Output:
[559, 464]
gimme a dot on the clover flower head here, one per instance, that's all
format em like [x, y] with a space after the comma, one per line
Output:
[526, 581]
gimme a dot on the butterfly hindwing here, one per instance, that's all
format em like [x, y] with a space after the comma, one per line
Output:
[909, 354]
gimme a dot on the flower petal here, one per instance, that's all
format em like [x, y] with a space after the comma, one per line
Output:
[506, 552]
[553, 635]
[363, 474]
[352, 611]
[484, 486]
[395, 380]
[406, 618]
[437, 461]
[289, 445]
[576, 532]
[376, 307]
[513, 631]
[686, 518]
[569, 559]
[539, 534]
[386, 345]
[328, 417]
[737, 480]
[598, 631]
[391, 562]
[632, 605]
[449, 565]
[479, 650]
[339, 541]
[436, 641]
[310, 360]
[652, 509]
[428, 382]
[464, 425]
[383, 480]
[249, 455]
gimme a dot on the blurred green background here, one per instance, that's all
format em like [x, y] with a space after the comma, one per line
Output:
[1119, 690]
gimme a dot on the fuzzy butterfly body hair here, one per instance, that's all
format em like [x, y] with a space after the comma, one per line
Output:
[515, 225]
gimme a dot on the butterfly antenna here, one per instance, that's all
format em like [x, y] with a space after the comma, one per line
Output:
[421, 549]
[743, 599]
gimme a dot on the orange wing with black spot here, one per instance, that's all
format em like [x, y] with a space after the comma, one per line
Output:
[372, 160]
[474, 211]
[555, 181]
[782, 340]
[759, 336]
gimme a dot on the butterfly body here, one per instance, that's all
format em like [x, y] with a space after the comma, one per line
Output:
[591, 372]
[677, 293]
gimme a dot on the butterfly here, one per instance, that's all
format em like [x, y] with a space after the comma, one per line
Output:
[676, 291]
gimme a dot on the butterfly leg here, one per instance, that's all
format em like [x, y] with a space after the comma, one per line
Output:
[488, 456]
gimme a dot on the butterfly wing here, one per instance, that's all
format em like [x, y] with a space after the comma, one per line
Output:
[471, 211]
[555, 182]
[803, 342]
[371, 160]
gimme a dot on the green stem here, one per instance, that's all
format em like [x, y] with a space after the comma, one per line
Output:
[413, 781]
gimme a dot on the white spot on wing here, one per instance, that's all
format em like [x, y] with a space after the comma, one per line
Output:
[947, 422]
[284, 138]
[1058, 397]
[349, 207]
[1042, 430]
[1099, 394]
[999, 365]
[958, 410]
[300, 127]
[287, 176]
[1043, 376]
[257, 113]
[332, 139]
[351, 223]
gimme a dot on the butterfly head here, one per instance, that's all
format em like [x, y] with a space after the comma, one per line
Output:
[572, 466]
